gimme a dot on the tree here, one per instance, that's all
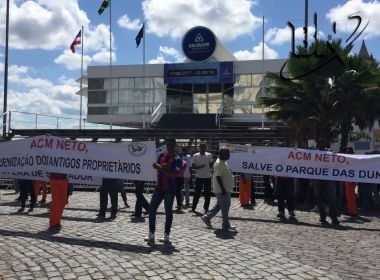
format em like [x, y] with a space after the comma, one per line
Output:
[325, 89]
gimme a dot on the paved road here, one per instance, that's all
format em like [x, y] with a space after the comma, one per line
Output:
[262, 247]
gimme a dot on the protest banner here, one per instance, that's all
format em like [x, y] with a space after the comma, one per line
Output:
[302, 163]
[54, 154]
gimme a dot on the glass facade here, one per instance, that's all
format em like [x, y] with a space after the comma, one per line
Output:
[142, 95]
[125, 95]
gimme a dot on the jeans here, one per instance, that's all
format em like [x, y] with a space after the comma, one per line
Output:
[199, 183]
[157, 197]
[223, 203]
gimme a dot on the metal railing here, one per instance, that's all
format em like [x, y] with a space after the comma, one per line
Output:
[156, 115]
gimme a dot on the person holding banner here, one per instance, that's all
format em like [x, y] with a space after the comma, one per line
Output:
[202, 163]
[59, 188]
[141, 201]
[326, 190]
[167, 167]
[26, 188]
[285, 192]
[38, 185]
[222, 185]
[110, 187]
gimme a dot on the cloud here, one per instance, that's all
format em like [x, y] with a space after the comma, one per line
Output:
[42, 24]
[174, 17]
[256, 53]
[72, 61]
[40, 96]
[167, 55]
[126, 23]
[367, 11]
[280, 36]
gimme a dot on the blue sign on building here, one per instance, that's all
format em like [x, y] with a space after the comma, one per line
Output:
[199, 73]
[199, 43]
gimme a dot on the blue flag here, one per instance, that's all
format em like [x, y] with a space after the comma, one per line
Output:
[139, 36]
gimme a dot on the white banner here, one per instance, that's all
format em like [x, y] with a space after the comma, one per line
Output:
[54, 154]
[301, 163]
[44, 176]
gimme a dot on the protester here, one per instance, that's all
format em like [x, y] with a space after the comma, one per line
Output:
[59, 198]
[40, 185]
[110, 187]
[179, 183]
[186, 174]
[245, 190]
[26, 188]
[202, 163]
[167, 167]
[141, 201]
[222, 185]
[285, 193]
[326, 191]
[123, 193]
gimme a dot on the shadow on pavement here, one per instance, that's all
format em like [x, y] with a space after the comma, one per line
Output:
[165, 249]
[298, 223]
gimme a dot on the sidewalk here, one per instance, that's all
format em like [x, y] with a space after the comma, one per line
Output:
[262, 247]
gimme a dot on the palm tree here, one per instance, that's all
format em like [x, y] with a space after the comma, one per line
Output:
[320, 99]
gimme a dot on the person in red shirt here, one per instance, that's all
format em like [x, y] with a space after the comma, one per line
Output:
[167, 166]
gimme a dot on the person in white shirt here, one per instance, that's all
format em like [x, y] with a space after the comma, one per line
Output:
[202, 163]
[186, 174]
[222, 184]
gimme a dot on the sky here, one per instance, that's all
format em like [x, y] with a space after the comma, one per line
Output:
[43, 70]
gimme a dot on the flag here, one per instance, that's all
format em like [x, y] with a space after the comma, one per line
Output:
[139, 36]
[103, 6]
[77, 41]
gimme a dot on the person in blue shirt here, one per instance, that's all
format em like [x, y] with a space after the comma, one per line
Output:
[167, 166]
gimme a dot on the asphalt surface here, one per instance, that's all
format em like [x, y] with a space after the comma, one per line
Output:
[261, 247]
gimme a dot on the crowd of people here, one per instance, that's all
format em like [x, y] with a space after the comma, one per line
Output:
[175, 171]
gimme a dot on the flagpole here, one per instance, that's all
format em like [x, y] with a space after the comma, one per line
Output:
[111, 111]
[262, 82]
[144, 72]
[6, 71]
[81, 82]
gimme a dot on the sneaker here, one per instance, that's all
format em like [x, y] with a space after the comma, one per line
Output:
[20, 210]
[292, 214]
[324, 223]
[335, 222]
[113, 216]
[206, 221]
[30, 210]
[150, 237]
[191, 210]
[165, 238]
[281, 215]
